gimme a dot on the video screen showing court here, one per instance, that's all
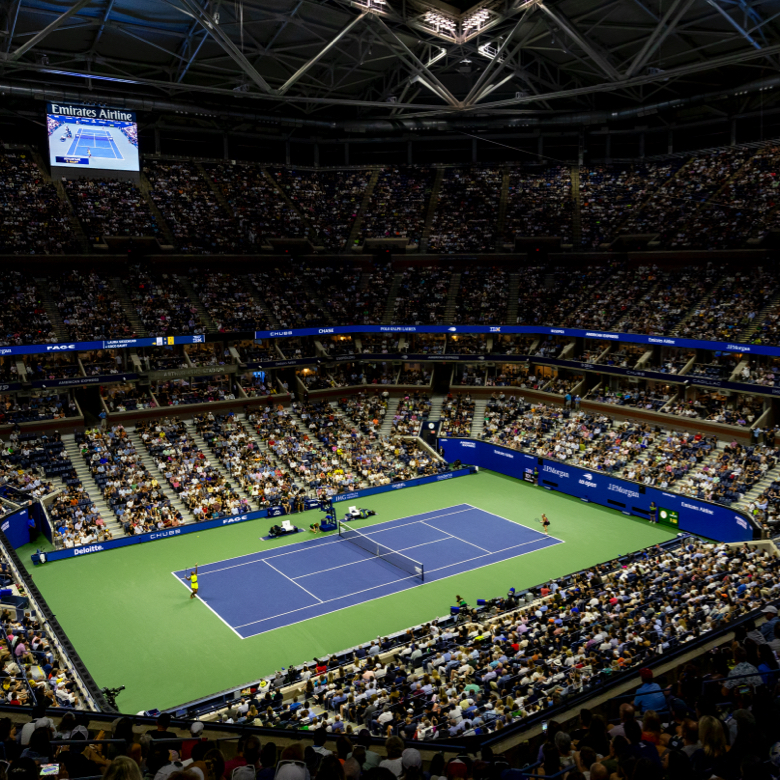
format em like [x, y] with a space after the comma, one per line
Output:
[92, 137]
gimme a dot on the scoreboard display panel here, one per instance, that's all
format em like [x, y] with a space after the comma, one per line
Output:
[94, 137]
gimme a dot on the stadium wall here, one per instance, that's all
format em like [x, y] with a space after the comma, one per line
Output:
[702, 518]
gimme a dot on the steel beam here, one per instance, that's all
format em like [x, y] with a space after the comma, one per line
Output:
[317, 57]
[432, 80]
[684, 70]
[102, 27]
[193, 9]
[664, 28]
[584, 44]
[12, 26]
[735, 24]
[46, 31]
[495, 64]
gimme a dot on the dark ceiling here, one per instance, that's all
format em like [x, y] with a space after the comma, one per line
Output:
[365, 65]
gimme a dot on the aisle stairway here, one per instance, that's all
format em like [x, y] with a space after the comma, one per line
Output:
[214, 460]
[576, 216]
[145, 187]
[452, 297]
[746, 333]
[52, 312]
[95, 494]
[432, 204]
[502, 203]
[695, 308]
[513, 305]
[478, 422]
[127, 306]
[386, 428]
[437, 402]
[772, 475]
[387, 317]
[165, 488]
[193, 296]
[357, 224]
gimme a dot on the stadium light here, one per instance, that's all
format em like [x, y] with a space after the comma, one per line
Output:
[441, 25]
[475, 22]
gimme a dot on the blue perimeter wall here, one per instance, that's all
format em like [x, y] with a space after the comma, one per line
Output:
[702, 518]
[15, 527]
[274, 511]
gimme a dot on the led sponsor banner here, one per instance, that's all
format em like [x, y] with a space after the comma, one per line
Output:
[694, 516]
[752, 349]
[336, 330]
[81, 381]
[180, 373]
[274, 511]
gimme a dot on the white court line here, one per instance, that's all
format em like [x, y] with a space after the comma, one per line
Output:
[320, 543]
[372, 558]
[368, 532]
[208, 607]
[385, 584]
[546, 536]
[293, 581]
[471, 544]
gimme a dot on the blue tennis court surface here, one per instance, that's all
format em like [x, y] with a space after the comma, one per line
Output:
[265, 590]
[99, 142]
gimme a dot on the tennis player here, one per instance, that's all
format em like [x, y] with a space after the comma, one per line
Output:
[193, 578]
[545, 524]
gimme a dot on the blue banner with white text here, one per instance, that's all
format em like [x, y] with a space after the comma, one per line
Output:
[535, 330]
[703, 518]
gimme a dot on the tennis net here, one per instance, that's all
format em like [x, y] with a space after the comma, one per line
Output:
[397, 559]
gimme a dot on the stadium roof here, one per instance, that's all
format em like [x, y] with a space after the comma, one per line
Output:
[359, 63]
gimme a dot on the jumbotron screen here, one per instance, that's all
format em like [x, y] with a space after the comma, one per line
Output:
[92, 137]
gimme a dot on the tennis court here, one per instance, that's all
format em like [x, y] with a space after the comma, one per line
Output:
[266, 590]
[99, 142]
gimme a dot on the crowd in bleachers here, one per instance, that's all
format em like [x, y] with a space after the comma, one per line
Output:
[33, 219]
[465, 215]
[187, 469]
[161, 303]
[229, 302]
[110, 207]
[89, 307]
[713, 200]
[133, 494]
[190, 208]
[288, 298]
[257, 205]
[732, 305]
[422, 296]
[328, 201]
[539, 203]
[35, 408]
[126, 398]
[412, 410]
[482, 296]
[398, 204]
[23, 319]
[457, 414]
[411, 375]
[674, 209]
[610, 194]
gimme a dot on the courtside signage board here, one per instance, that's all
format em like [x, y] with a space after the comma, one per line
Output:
[97, 137]
[702, 518]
